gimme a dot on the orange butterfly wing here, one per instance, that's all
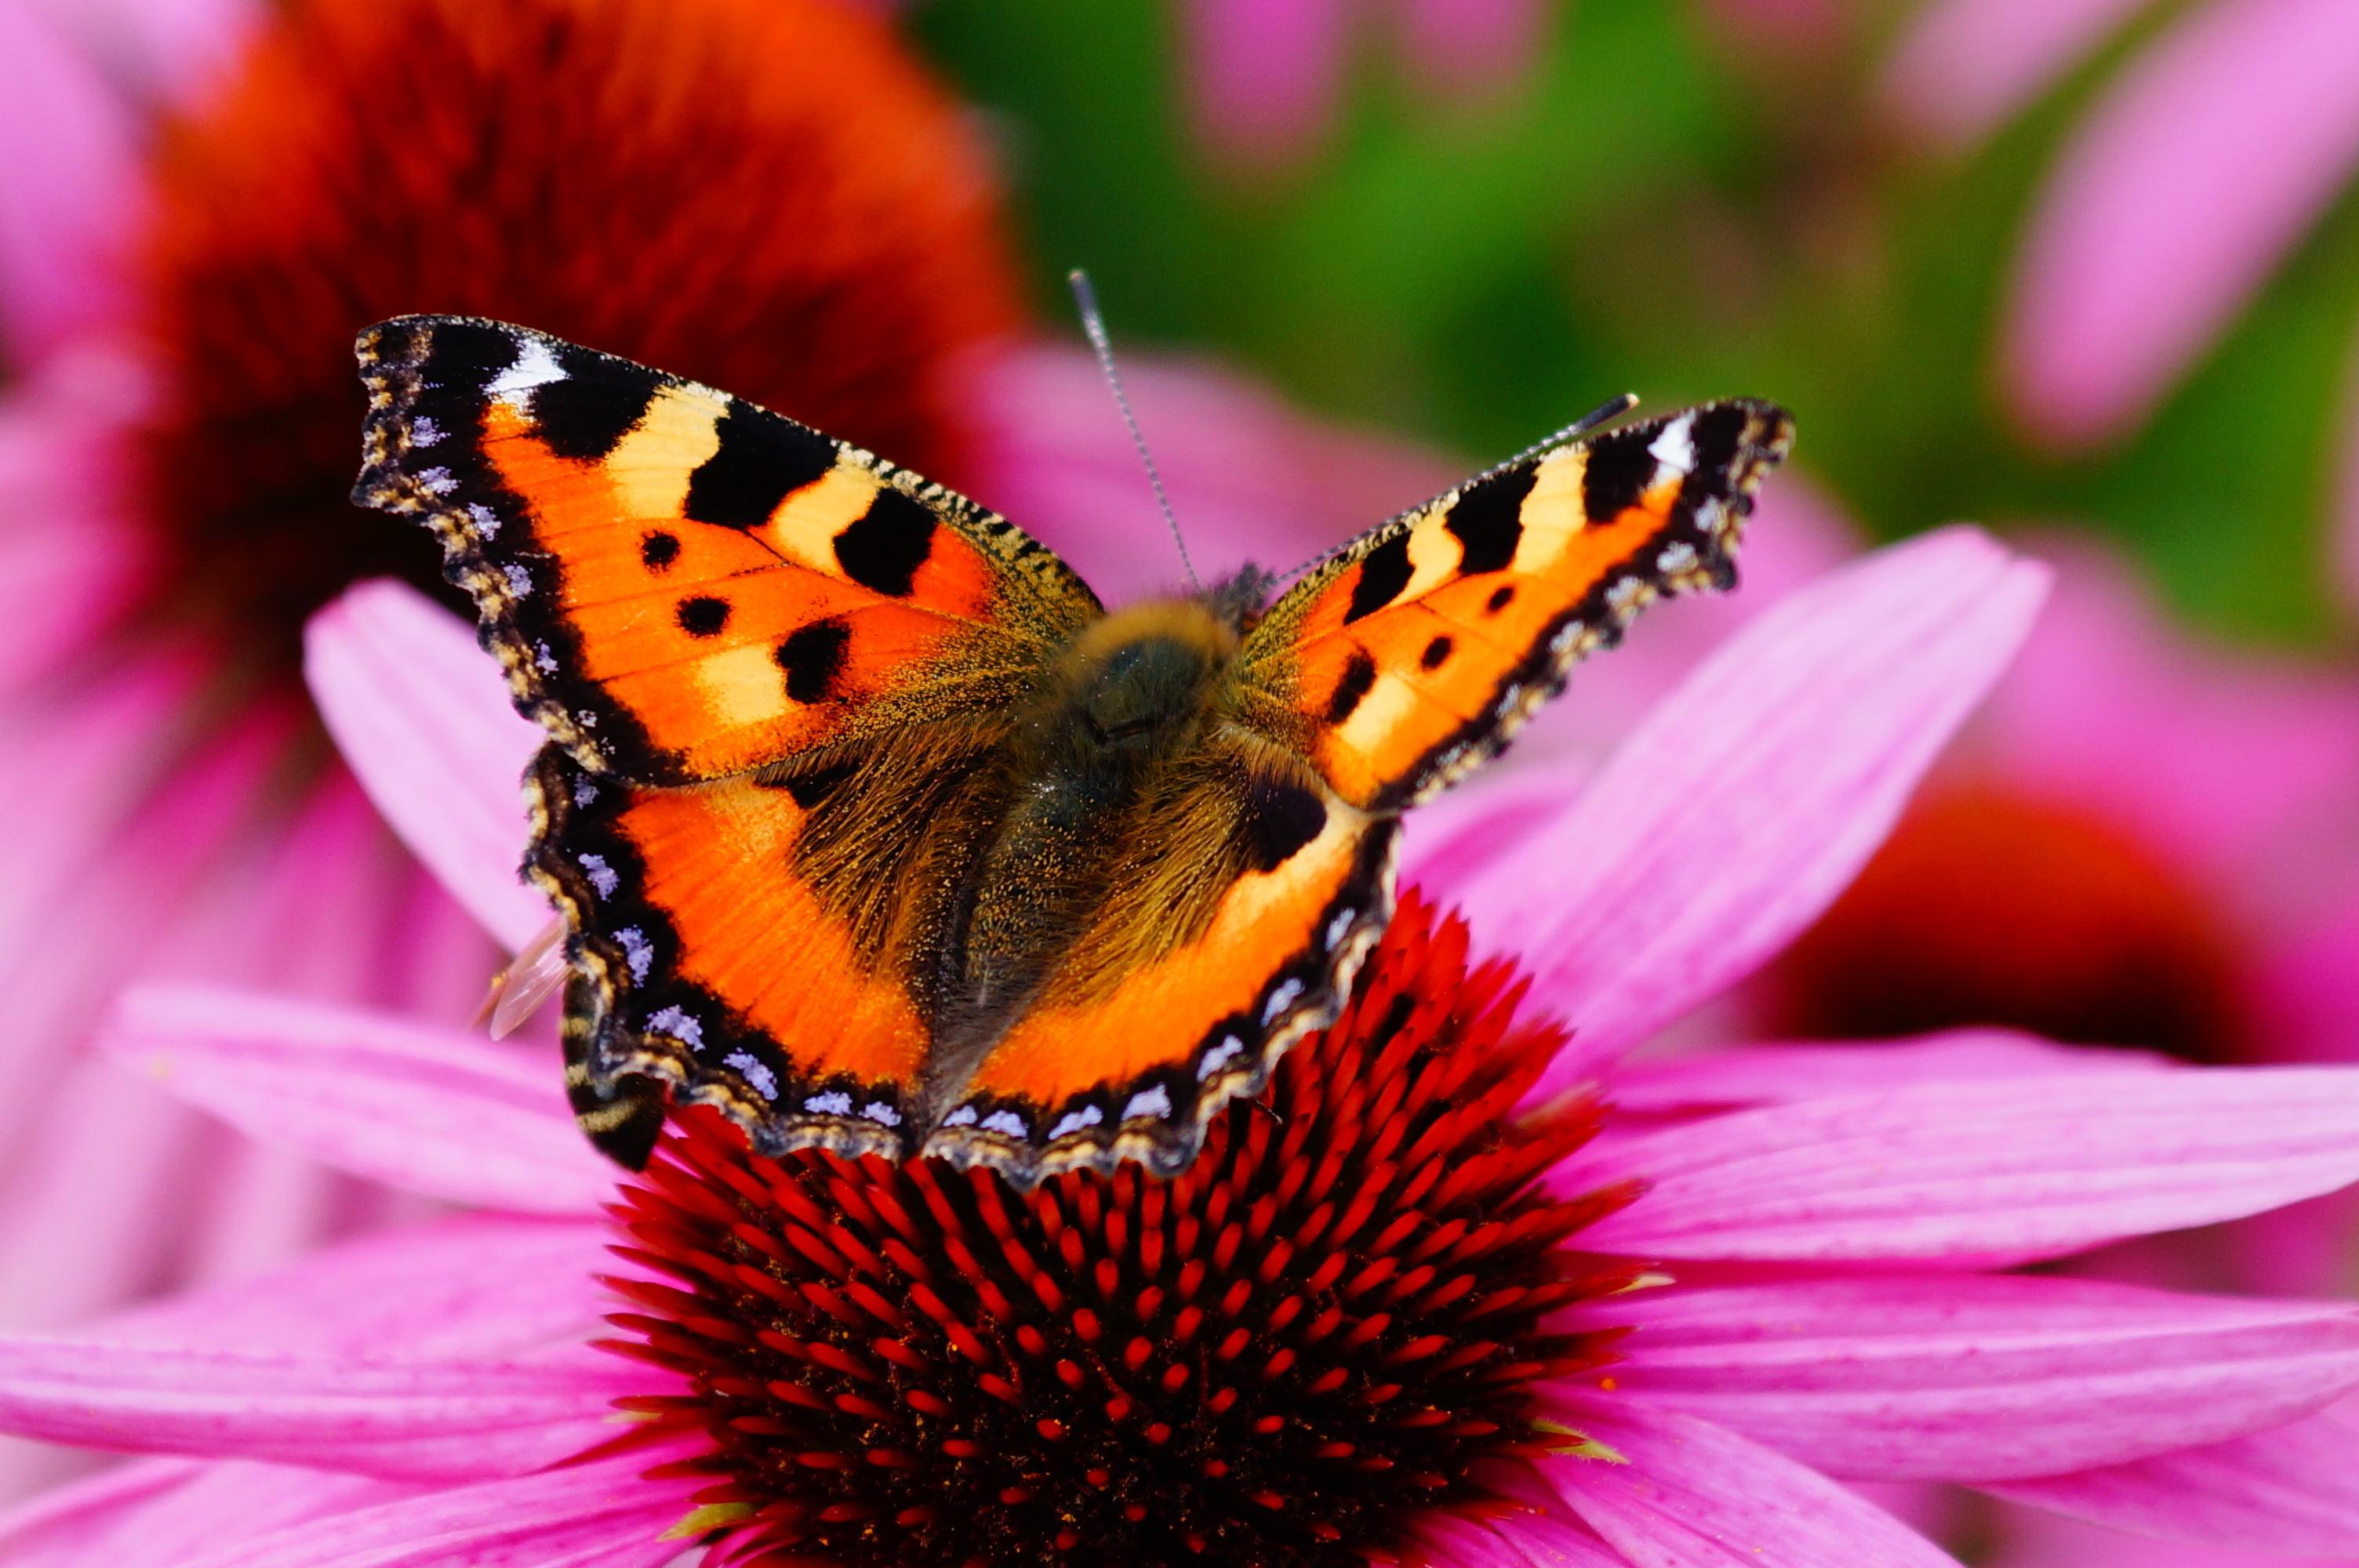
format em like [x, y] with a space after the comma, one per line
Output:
[1413, 655]
[682, 585]
[716, 971]
[713, 612]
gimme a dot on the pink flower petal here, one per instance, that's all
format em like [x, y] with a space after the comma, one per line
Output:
[2237, 755]
[422, 716]
[88, 778]
[1789, 1070]
[53, 1529]
[1962, 67]
[1979, 1377]
[1976, 1172]
[1512, 1540]
[2202, 165]
[1486, 824]
[119, 874]
[2032, 1537]
[469, 1285]
[1265, 74]
[325, 899]
[1469, 47]
[73, 555]
[419, 1108]
[1750, 797]
[173, 52]
[2295, 1489]
[68, 180]
[606, 1514]
[416, 1420]
[1692, 1495]
[164, 1513]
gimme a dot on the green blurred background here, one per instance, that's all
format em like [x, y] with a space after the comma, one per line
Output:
[1668, 203]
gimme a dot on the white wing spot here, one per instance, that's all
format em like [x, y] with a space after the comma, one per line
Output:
[1007, 1122]
[1626, 597]
[1674, 448]
[1219, 1056]
[1155, 1102]
[603, 876]
[424, 432]
[1281, 999]
[1677, 560]
[520, 580]
[1339, 925]
[535, 366]
[760, 1076]
[833, 1103]
[1074, 1120]
[486, 520]
[962, 1117]
[676, 1023]
[876, 1110]
[437, 481]
[638, 951]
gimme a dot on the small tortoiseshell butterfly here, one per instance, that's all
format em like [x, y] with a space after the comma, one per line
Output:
[876, 831]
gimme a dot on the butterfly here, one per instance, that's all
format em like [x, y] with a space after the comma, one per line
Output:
[873, 828]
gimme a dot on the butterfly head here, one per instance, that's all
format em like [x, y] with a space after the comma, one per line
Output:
[1239, 599]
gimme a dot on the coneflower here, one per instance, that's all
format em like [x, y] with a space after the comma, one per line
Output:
[1454, 1292]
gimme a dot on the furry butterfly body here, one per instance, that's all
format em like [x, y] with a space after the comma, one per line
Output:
[873, 828]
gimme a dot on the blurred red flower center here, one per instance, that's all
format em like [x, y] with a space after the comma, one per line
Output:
[767, 194]
[1985, 907]
[1278, 1358]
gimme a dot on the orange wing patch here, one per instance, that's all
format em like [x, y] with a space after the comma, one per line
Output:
[682, 585]
[1412, 656]
[716, 970]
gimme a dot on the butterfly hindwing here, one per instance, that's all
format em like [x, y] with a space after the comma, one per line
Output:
[1411, 656]
[682, 585]
[725, 952]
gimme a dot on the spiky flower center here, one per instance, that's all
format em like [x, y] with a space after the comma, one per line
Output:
[1327, 1325]
[766, 195]
[1987, 907]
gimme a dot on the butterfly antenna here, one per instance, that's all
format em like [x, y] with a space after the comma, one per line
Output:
[1094, 323]
[1604, 414]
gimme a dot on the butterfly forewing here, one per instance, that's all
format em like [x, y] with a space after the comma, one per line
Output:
[683, 585]
[1411, 657]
